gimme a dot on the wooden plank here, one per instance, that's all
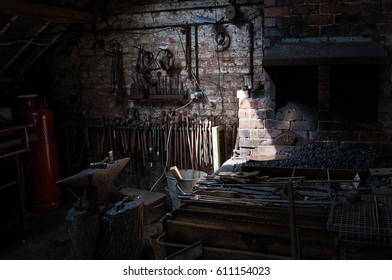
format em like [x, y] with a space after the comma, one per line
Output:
[218, 146]
[191, 252]
[186, 5]
[39, 49]
[8, 24]
[50, 13]
[34, 31]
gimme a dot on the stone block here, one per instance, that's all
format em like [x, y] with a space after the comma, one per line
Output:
[277, 124]
[243, 114]
[251, 123]
[244, 133]
[333, 8]
[245, 152]
[289, 115]
[319, 19]
[305, 9]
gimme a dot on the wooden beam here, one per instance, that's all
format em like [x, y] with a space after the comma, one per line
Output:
[8, 24]
[187, 5]
[47, 12]
[35, 51]
[11, 56]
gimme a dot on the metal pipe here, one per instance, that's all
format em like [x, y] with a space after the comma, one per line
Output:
[293, 225]
[197, 56]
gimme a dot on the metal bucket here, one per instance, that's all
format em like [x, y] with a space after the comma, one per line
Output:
[176, 187]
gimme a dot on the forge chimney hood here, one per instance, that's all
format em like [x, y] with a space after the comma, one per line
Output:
[326, 53]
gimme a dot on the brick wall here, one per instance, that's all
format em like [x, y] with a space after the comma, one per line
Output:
[260, 120]
[310, 18]
[221, 73]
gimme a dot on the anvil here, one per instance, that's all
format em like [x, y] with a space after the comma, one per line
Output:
[97, 186]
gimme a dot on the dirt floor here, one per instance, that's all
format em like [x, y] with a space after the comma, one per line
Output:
[46, 237]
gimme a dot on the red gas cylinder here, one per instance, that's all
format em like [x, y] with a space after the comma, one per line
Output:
[41, 164]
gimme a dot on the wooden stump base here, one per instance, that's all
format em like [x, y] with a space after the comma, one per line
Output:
[115, 234]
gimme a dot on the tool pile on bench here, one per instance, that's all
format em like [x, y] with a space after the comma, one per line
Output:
[284, 212]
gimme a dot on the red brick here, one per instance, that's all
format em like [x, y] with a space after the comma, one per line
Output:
[289, 115]
[244, 133]
[363, 7]
[386, 29]
[305, 9]
[342, 29]
[333, 8]
[245, 152]
[305, 31]
[379, 18]
[251, 124]
[277, 11]
[243, 114]
[280, 3]
[269, 3]
[250, 142]
[319, 19]
[269, 22]
[249, 103]
[386, 6]
[258, 114]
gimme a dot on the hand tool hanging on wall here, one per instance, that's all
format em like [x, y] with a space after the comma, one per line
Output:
[183, 139]
[116, 68]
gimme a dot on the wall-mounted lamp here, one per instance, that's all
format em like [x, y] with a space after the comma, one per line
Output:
[248, 81]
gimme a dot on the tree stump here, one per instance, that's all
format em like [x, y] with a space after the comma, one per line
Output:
[114, 234]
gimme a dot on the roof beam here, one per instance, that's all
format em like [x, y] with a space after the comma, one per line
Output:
[47, 12]
[8, 24]
[38, 49]
[11, 56]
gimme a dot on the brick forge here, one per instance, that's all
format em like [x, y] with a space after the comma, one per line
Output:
[320, 113]
[340, 98]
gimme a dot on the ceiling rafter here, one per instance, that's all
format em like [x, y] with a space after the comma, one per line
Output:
[35, 31]
[8, 24]
[35, 51]
[47, 12]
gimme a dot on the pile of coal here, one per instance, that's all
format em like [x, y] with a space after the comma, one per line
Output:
[331, 155]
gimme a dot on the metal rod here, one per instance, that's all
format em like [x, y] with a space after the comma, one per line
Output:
[293, 225]
[197, 56]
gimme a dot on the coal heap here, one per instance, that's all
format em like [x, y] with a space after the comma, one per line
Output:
[331, 155]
